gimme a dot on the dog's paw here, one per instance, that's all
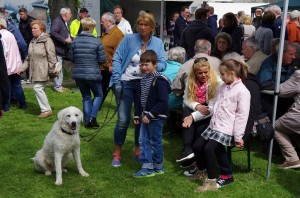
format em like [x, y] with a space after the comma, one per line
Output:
[58, 182]
[47, 173]
[84, 174]
[65, 170]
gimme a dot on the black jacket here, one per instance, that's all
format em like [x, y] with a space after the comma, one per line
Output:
[59, 33]
[197, 29]
[255, 107]
[237, 34]
[180, 24]
[25, 29]
[4, 83]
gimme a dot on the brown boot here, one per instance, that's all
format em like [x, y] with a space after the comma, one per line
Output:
[199, 176]
[209, 185]
[45, 114]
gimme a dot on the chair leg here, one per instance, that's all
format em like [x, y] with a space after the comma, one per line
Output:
[248, 157]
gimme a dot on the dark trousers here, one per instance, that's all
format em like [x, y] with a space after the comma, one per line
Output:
[15, 89]
[105, 83]
[189, 135]
[208, 154]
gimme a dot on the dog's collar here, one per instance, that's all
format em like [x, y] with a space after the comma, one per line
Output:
[64, 131]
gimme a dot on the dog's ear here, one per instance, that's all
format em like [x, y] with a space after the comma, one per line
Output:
[60, 116]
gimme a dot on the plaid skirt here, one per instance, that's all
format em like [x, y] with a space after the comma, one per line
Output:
[218, 136]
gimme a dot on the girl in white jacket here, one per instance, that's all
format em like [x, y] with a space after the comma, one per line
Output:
[200, 92]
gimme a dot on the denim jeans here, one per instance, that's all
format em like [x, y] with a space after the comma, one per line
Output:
[130, 93]
[90, 106]
[15, 89]
[57, 81]
[151, 144]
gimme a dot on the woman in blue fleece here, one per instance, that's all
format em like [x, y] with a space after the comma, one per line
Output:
[126, 77]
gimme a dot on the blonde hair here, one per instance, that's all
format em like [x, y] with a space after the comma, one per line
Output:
[212, 83]
[247, 20]
[3, 23]
[147, 18]
[88, 24]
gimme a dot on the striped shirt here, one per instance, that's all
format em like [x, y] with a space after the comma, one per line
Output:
[145, 87]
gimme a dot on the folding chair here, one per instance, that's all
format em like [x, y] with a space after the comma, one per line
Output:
[231, 149]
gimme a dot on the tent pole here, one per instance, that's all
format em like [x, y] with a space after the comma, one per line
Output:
[278, 74]
[161, 19]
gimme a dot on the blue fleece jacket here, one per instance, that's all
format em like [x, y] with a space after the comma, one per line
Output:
[129, 46]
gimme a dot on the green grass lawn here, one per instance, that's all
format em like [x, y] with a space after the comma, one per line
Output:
[22, 134]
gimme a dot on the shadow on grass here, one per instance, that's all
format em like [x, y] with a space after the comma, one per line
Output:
[289, 180]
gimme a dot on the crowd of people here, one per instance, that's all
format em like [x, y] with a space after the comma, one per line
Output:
[212, 75]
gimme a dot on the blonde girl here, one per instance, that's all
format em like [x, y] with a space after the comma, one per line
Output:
[201, 90]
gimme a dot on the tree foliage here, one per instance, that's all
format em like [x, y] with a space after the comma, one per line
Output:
[55, 6]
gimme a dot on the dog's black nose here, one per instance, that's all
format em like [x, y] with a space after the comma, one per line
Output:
[73, 123]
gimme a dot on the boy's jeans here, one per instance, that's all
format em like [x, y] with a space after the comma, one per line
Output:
[151, 144]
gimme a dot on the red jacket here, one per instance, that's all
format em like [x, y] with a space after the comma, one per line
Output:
[293, 32]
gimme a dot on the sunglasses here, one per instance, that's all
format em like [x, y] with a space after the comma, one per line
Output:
[202, 59]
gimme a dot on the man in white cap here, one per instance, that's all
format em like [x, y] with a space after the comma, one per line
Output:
[122, 23]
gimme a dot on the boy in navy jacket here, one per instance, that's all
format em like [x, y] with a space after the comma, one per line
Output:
[155, 90]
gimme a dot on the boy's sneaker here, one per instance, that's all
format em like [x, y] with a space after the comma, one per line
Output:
[159, 171]
[224, 180]
[187, 163]
[144, 172]
[190, 172]
[116, 162]
[185, 155]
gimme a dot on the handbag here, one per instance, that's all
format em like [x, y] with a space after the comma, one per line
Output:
[264, 128]
[53, 70]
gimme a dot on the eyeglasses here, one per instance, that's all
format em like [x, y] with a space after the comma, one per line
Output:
[201, 59]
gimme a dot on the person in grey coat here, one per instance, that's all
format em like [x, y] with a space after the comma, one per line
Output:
[87, 53]
[287, 127]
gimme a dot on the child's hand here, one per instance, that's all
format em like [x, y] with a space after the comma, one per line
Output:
[145, 120]
[202, 109]
[240, 144]
[187, 121]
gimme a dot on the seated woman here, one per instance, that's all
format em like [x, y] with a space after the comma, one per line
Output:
[199, 95]
[222, 46]
[176, 58]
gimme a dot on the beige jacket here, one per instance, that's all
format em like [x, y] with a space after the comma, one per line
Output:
[41, 52]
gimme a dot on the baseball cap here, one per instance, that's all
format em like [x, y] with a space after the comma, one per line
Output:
[83, 10]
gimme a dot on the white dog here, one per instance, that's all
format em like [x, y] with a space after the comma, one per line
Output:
[60, 143]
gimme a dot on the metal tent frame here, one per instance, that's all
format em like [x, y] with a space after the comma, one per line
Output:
[277, 85]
